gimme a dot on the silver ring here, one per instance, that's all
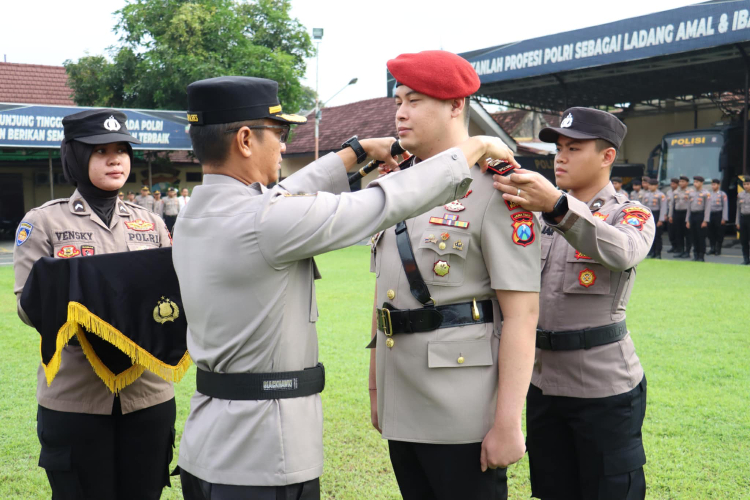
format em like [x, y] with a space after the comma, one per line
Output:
[518, 193]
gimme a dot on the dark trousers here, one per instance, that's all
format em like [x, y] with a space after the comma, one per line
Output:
[682, 236]
[586, 449]
[745, 235]
[107, 456]
[715, 231]
[194, 488]
[445, 472]
[698, 234]
[169, 220]
[656, 246]
[671, 233]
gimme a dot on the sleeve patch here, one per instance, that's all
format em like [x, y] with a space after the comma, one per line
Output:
[23, 233]
[523, 228]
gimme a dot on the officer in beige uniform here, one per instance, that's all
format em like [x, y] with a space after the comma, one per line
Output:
[742, 220]
[255, 428]
[673, 183]
[145, 199]
[445, 390]
[678, 206]
[171, 208]
[656, 201]
[718, 202]
[587, 399]
[158, 204]
[637, 192]
[617, 184]
[697, 217]
[96, 444]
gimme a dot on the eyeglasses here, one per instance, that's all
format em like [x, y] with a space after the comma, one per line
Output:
[282, 137]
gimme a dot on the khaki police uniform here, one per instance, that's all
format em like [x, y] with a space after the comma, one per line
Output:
[66, 228]
[636, 195]
[624, 193]
[146, 202]
[678, 206]
[171, 210]
[718, 203]
[698, 212]
[258, 314]
[656, 201]
[159, 207]
[669, 193]
[743, 221]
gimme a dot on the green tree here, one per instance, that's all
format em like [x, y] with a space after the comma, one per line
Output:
[166, 44]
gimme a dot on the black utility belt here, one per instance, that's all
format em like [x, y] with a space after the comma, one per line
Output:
[258, 386]
[580, 339]
[392, 321]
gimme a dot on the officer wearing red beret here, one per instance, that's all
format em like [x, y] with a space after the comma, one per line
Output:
[444, 390]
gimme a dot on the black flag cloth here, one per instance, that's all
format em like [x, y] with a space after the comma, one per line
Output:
[124, 308]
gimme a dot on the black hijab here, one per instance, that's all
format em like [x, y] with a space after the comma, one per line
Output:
[75, 161]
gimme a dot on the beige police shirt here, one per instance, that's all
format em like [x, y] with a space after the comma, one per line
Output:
[68, 228]
[589, 265]
[159, 207]
[623, 193]
[718, 201]
[698, 203]
[656, 201]
[680, 200]
[743, 206]
[171, 206]
[424, 393]
[243, 255]
[146, 202]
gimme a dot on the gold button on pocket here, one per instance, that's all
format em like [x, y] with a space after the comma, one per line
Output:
[390, 343]
[441, 246]
[391, 294]
[460, 360]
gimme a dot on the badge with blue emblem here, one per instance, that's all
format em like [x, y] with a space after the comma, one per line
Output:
[523, 228]
[23, 233]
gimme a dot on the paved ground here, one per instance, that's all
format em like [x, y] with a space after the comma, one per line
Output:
[730, 254]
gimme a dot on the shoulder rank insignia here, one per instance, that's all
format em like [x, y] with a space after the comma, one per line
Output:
[166, 310]
[23, 233]
[580, 256]
[449, 220]
[586, 277]
[441, 268]
[597, 204]
[68, 251]
[600, 215]
[78, 206]
[455, 206]
[140, 225]
[512, 205]
[523, 228]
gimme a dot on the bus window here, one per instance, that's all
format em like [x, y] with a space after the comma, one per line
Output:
[691, 154]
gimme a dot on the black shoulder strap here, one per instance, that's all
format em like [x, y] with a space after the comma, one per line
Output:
[416, 283]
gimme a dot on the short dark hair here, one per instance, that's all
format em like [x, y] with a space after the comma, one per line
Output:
[211, 142]
[602, 144]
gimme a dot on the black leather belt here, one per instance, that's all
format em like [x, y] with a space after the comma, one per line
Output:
[580, 339]
[256, 386]
[393, 321]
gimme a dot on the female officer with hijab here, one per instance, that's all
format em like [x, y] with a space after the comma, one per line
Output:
[95, 444]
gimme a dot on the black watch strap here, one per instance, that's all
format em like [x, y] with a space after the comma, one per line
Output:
[356, 147]
[560, 209]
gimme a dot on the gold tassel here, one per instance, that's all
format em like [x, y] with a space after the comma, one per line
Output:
[64, 334]
[115, 383]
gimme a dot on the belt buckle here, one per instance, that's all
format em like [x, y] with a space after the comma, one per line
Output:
[387, 326]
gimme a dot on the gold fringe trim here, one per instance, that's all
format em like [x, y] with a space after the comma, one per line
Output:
[79, 317]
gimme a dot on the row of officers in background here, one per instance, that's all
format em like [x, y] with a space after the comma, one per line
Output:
[166, 208]
[690, 213]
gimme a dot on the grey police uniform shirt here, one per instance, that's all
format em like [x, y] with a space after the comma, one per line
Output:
[680, 200]
[698, 203]
[636, 195]
[656, 201]
[743, 206]
[424, 393]
[623, 193]
[146, 202]
[718, 201]
[171, 206]
[243, 256]
[159, 207]
[589, 265]
[68, 228]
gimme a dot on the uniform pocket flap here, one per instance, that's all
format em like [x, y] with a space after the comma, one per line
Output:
[457, 354]
[622, 461]
[55, 459]
[455, 244]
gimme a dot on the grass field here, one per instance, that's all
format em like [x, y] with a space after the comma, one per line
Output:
[690, 322]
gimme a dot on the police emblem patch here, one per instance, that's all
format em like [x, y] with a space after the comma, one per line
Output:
[140, 225]
[87, 250]
[112, 124]
[580, 256]
[441, 268]
[523, 228]
[568, 121]
[586, 277]
[68, 251]
[166, 310]
[23, 233]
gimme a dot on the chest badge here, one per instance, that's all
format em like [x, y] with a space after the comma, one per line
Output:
[586, 277]
[455, 206]
[441, 268]
[166, 310]
[140, 225]
[68, 251]
[87, 250]
[523, 228]
[458, 245]
[580, 256]
[430, 239]
[449, 220]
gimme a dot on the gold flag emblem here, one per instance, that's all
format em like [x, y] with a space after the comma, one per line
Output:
[166, 310]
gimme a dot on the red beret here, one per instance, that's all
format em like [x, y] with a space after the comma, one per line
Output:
[436, 73]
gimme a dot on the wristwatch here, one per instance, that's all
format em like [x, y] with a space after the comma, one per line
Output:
[356, 147]
[560, 208]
